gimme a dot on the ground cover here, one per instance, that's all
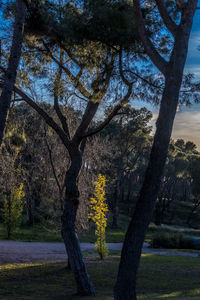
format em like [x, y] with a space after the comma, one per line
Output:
[173, 278]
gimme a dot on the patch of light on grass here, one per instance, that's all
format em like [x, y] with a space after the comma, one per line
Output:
[147, 254]
[194, 292]
[174, 294]
[19, 266]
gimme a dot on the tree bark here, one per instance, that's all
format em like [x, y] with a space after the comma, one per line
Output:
[15, 54]
[116, 200]
[84, 284]
[125, 288]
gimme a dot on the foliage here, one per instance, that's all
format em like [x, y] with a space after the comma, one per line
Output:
[109, 22]
[175, 241]
[98, 215]
[167, 240]
[12, 208]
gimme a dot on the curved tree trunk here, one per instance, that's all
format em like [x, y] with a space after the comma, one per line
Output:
[84, 284]
[125, 288]
[15, 54]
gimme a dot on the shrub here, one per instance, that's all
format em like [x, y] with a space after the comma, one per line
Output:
[98, 209]
[190, 242]
[175, 241]
[166, 240]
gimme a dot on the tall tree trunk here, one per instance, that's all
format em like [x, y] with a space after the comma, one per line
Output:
[116, 200]
[15, 54]
[125, 288]
[29, 205]
[84, 284]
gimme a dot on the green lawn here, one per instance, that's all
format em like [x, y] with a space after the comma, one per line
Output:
[159, 278]
[40, 233]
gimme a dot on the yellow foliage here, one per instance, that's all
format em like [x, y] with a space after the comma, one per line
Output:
[98, 210]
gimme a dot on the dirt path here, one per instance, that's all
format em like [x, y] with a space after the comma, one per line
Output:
[19, 252]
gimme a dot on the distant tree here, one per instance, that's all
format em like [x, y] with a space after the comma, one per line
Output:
[129, 133]
[12, 209]
[194, 171]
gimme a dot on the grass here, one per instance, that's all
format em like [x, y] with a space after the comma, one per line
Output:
[173, 278]
[40, 233]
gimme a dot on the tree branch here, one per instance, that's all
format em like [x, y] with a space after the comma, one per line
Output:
[144, 79]
[52, 164]
[49, 120]
[111, 115]
[93, 104]
[156, 58]
[59, 113]
[121, 70]
[89, 114]
[169, 23]
[73, 78]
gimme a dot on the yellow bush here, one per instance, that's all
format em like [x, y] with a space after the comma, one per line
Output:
[98, 209]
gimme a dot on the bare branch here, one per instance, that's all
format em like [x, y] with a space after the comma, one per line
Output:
[156, 58]
[169, 23]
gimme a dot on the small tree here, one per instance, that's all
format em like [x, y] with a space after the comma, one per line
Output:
[12, 209]
[98, 215]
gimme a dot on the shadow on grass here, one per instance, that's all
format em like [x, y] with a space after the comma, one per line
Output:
[173, 278]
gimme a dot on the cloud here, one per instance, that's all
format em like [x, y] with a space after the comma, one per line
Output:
[186, 126]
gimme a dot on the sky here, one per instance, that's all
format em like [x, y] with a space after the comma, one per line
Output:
[187, 121]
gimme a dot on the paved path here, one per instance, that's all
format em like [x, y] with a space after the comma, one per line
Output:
[18, 252]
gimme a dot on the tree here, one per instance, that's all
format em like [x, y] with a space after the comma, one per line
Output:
[13, 62]
[129, 133]
[74, 142]
[194, 171]
[12, 208]
[98, 210]
[89, 76]
[172, 70]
